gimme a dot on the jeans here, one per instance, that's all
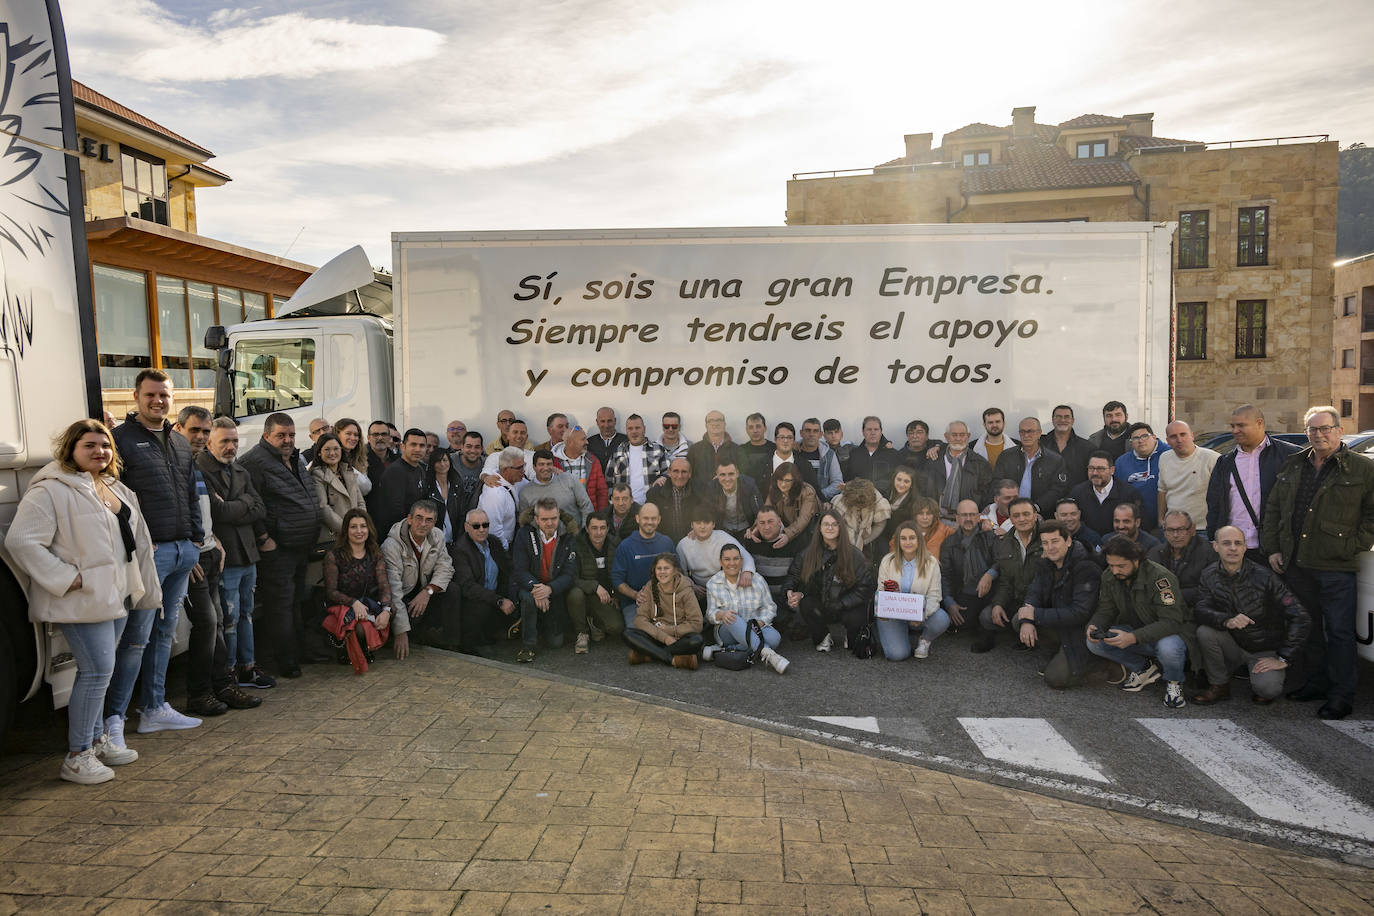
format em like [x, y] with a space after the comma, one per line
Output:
[895, 635]
[1329, 656]
[281, 588]
[1221, 655]
[531, 618]
[236, 586]
[1171, 651]
[739, 634]
[94, 646]
[206, 665]
[146, 644]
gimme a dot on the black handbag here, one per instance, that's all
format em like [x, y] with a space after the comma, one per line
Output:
[737, 658]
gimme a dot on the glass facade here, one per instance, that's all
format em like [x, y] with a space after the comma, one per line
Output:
[121, 321]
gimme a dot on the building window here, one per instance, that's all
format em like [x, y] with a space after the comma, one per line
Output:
[1192, 330]
[1192, 239]
[1348, 306]
[1347, 407]
[145, 186]
[1252, 237]
[272, 375]
[1250, 328]
[1347, 359]
[1092, 149]
[121, 319]
[978, 157]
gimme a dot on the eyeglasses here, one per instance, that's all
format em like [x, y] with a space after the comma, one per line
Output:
[457, 429]
[1141, 437]
[1320, 430]
[668, 426]
[1028, 432]
[479, 525]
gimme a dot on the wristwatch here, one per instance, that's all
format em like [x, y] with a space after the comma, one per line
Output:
[431, 589]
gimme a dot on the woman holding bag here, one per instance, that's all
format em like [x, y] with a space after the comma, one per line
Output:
[79, 535]
[355, 578]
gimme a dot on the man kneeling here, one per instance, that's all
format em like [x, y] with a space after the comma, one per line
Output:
[544, 563]
[667, 624]
[1246, 614]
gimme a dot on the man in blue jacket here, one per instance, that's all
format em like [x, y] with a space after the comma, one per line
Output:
[634, 559]
[544, 564]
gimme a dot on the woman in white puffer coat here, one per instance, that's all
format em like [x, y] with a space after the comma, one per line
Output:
[79, 535]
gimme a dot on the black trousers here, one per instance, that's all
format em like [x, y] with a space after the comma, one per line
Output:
[207, 668]
[642, 642]
[277, 616]
[817, 619]
[442, 621]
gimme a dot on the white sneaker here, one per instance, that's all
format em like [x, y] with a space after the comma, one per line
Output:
[114, 730]
[708, 651]
[1173, 695]
[825, 645]
[1137, 680]
[112, 754]
[774, 660]
[85, 769]
[162, 718]
[922, 649]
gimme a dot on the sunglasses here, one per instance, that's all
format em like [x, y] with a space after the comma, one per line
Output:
[479, 524]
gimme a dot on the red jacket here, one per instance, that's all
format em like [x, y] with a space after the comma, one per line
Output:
[597, 491]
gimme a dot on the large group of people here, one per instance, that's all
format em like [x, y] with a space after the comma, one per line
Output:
[1123, 558]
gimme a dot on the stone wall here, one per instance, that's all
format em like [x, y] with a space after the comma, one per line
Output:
[1354, 280]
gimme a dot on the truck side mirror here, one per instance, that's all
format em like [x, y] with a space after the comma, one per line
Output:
[216, 338]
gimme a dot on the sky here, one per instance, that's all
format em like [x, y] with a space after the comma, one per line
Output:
[343, 121]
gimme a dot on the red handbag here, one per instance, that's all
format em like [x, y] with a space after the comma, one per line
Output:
[343, 624]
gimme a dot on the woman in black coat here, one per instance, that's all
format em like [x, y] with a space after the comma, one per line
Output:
[829, 582]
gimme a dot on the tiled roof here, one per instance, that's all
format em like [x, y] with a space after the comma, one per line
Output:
[1091, 120]
[1036, 165]
[976, 129]
[1129, 141]
[85, 94]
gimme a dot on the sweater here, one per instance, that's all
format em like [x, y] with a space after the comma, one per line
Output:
[701, 559]
[634, 561]
[564, 489]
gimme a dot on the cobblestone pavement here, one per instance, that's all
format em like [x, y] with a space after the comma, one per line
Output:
[446, 785]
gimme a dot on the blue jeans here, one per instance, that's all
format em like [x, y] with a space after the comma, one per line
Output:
[737, 633]
[147, 641]
[93, 645]
[236, 598]
[531, 619]
[895, 635]
[1171, 652]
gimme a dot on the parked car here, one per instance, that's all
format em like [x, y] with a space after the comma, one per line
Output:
[1226, 442]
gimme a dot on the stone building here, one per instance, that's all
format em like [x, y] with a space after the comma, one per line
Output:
[1252, 253]
[1352, 358]
[158, 284]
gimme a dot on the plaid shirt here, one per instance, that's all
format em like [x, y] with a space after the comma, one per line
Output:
[655, 463]
[752, 603]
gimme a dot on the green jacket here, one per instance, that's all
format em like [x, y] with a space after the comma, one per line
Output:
[1340, 521]
[585, 578]
[1157, 599]
[1014, 574]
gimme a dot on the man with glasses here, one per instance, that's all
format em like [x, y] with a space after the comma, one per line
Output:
[1184, 472]
[1139, 467]
[1318, 522]
[1242, 479]
[1099, 496]
[958, 473]
[378, 457]
[499, 501]
[454, 432]
[1067, 444]
[1039, 474]
[1184, 553]
[672, 439]
[318, 427]
[481, 576]
[503, 421]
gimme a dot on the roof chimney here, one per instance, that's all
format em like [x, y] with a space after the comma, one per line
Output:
[1023, 121]
[1140, 125]
[918, 146]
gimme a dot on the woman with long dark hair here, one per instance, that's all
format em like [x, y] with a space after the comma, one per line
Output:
[451, 491]
[795, 500]
[350, 433]
[830, 582]
[355, 572]
[336, 486]
[667, 624]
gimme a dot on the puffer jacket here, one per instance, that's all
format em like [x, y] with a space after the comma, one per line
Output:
[1339, 525]
[835, 597]
[1280, 622]
[162, 477]
[293, 515]
[1064, 599]
[61, 529]
[525, 554]
[236, 510]
[404, 570]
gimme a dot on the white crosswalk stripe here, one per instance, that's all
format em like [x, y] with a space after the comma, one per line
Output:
[857, 723]
[1032, 743]
[1266, 781]
[1362, 732]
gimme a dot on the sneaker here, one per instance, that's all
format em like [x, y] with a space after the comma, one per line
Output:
[1138, 679]
[583, 640]
[825, 645]
[234, 698]
[597, 634]
[110, 755]
[774, 660]
[164, 718]
[922, 649]
[114, 731]
[708, 651]
[524, 656]
[254, 676]
[85, 769]
[1173, 695]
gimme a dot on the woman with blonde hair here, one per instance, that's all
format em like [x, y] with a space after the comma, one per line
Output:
[79, 535]
[667, 623]
[863, 509]
[911, 568]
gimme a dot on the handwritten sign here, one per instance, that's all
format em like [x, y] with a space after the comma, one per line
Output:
[901, 606]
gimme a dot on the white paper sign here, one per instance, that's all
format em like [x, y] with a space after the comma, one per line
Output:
[901, 606]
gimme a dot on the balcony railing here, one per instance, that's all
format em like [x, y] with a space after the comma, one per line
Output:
[1367, 324]
[1367, 376]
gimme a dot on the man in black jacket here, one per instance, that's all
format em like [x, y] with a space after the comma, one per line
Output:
[158, 468]
[543, 568]
[1046, 480]
[1238, 489]
[1246, 614]
[1183, 553]
[481, 576]
[293, 526]
[1111, 438]
[1099, 496]
[958, 472]
[676, 499]
[403, 482]
[733, 497]
[967, 559]
[1059, 601]
[379, 456]
[623, 512]
[874, 457]
[1067, 444]
[607, 439]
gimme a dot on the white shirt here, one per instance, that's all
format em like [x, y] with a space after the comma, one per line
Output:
[636, 469]
[778, 460]
[676, 451]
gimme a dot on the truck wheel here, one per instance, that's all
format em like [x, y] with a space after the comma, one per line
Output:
[9, 686]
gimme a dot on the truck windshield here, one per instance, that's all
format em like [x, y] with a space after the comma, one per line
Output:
[273, 375]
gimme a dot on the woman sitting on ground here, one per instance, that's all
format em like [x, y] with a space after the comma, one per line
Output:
[355, 575]
[910, 568]
[863, 510]
[336, 486]
[795, 500]
[732, 607]
[667, 625]
[831, 582]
